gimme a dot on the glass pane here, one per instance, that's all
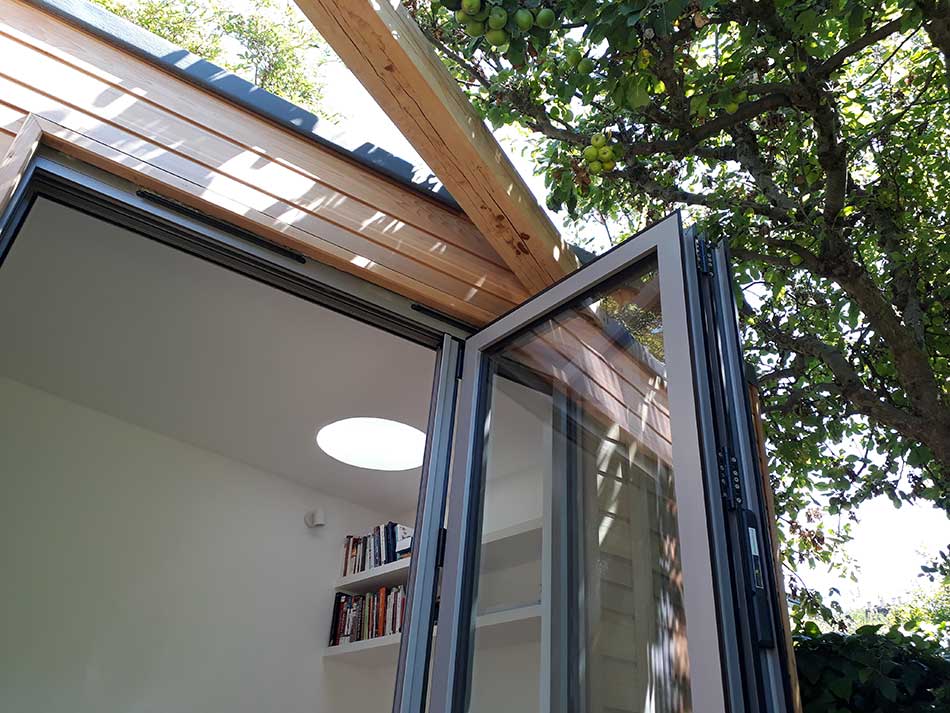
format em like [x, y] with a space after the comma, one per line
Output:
[580, 602]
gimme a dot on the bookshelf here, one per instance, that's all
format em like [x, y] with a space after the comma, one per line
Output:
[499, 628]
[501, 549]
[370, 580]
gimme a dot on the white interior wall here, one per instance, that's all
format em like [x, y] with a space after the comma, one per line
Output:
[144, 574]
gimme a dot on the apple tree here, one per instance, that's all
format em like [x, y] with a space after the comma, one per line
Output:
[810, 134]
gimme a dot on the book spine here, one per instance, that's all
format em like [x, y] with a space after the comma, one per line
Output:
[334, 620]
[397, 610]
[374, 622]
[402, 618]
[347, 622]
[346, 553]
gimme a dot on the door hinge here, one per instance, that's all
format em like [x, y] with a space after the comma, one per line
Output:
[730, 482]
[704, 256]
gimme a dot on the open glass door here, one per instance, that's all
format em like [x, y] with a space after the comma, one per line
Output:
[582, 565]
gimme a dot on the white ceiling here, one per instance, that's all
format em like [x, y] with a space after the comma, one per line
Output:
[122, 324]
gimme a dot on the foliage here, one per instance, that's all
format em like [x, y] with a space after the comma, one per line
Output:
[869, 671]
[813, 136]
[276, 48]
[924, 610]
[272, 51]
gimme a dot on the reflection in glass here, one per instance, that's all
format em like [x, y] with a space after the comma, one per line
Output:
[579, 600]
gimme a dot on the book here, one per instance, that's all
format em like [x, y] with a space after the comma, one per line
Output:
[358, 617]
[403, 536]
[346, 553]
[384, 544]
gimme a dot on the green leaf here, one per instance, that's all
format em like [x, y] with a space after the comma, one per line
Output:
[887, 688]
[841, 687]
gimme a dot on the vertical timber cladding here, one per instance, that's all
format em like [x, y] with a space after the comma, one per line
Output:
[242, 168]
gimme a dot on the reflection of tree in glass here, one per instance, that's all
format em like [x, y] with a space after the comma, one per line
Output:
[633, 308]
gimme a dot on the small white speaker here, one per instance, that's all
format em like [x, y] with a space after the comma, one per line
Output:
[315, 518]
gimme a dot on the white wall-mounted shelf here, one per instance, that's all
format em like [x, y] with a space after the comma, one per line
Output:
[507, 627]
[501, 548]
[370, 580]
[512, 545]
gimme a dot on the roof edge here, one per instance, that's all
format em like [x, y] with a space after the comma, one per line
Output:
[156, 50]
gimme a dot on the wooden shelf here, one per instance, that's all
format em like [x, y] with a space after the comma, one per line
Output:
[517, 625]
[386, 575]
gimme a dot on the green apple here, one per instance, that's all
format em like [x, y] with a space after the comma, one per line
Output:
[496, 38]
[471, 7]
[474, 29]
[545, 18]
[573, 58]
[595, 167]
[585, 66]
[462, 17]
[609, 165]
[598, 140]
[497, 18]
[605, 153]
[643, 58]
[524, 19]
[732, 107]
[590, 153]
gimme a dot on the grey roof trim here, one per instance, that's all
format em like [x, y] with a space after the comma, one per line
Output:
[207, 75]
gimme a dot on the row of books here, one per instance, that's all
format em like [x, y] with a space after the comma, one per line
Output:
[357, 617]
[386, 543]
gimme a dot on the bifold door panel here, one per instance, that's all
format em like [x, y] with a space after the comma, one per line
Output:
[590, 558]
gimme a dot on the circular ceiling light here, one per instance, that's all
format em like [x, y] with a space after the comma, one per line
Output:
[373, 443]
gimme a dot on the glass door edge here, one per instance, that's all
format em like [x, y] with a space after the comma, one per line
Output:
[412, 671]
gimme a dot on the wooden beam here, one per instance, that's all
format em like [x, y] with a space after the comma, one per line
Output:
[382, 45]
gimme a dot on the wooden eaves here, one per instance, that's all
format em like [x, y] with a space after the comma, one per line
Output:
[384, 48]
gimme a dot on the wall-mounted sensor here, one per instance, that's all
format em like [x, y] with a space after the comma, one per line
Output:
[315, 518]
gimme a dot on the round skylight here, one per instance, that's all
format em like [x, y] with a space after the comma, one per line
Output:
[374, 443]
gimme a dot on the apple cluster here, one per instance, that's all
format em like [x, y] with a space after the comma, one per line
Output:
[599, 155]
[494, 22]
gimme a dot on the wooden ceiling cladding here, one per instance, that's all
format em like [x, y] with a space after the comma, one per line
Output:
[215, 156]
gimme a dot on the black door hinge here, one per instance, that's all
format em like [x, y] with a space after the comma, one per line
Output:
[730, 482]
[704, 256]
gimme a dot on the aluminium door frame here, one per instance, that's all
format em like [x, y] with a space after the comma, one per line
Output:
[455, 643]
